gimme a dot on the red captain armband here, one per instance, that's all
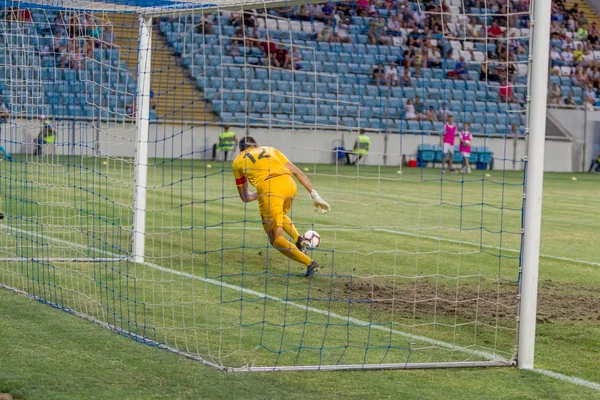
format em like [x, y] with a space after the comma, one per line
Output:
[240, 181]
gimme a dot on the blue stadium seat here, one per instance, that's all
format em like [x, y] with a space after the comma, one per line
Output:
[491, 118]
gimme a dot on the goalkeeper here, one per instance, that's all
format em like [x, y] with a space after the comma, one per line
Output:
[270, 172]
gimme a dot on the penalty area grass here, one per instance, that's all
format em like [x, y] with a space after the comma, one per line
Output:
[48, 354]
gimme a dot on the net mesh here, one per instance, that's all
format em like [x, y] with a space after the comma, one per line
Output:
[417, 266]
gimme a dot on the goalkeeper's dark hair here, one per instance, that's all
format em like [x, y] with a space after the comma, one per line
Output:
[246, 142]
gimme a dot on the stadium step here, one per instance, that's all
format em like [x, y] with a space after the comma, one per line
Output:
[176, 95]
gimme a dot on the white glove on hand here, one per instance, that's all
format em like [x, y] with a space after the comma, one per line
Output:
[319, 202]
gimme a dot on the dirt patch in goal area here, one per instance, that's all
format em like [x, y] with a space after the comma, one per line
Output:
[422, 298]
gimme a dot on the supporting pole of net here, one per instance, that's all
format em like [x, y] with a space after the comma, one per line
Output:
[534, 183]
[141, 155]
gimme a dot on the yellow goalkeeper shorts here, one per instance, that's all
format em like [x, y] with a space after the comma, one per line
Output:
[275, 197]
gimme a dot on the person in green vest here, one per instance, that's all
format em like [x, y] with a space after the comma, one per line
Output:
[361, 148]
[227, 142]
[47, 134]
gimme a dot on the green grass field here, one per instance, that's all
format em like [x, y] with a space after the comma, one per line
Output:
[431, 258]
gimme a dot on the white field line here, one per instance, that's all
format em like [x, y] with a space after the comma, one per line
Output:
[439, 343]
[396, 232]
[571, 379]
[483, 245]
[492, 357]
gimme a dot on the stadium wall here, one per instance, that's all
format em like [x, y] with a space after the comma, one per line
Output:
[304, 146]
[584, 127]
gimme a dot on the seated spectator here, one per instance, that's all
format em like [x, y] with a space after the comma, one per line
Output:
[58, 42]
[555, 57]
[434, 58]
[326, 32]
[569, 101]
[567, 56]
[578, 55]
[249, 22]
[555, 31]
[581, 19]
[394, 26]
[419, 106]
[236, 19]
[473, 30]
[391, 74]
[75, 27]
[60, 23]
[279, 56]
[376, 34]
[108, 36]
[362, 8]
[495, 31]
[293, 58]
[515, 46]
[336, 37]
[234, 48]
[505, 91]
[580, 76]
[378, 75]
[417, 62]
[409, 111]
[582, 32]
[590, 103]
[587, 58]
[443, 113]
[593, 73]
[329, 10]
[205, 26]
[315, 11]
[590, 93]
[77, 58]
[372, 10]
[405, 79]
[302, 13]
[408, 56]
[555, 95]
[487, 74]
[430, 115]
[594, 35]
[268, 48]
[461, 70]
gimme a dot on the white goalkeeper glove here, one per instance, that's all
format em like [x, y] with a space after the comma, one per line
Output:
[319, 202]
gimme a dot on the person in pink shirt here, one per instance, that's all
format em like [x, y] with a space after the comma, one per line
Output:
[450, 131]
[466, 138]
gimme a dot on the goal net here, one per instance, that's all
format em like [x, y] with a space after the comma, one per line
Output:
[121, 205]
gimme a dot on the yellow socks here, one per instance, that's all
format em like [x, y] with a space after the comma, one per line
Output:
[289, 250]
[290, 228]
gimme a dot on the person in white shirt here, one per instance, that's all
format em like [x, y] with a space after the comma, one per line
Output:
[588, 57]
[394, 24]
[409, 110]
[391, 74]
[315, 11]
[590, 93]
[555, 56]
[567, 57]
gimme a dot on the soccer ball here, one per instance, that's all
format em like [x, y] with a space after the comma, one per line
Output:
[467, 142]
[313, 239]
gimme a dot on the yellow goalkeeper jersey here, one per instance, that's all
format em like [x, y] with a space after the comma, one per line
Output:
[259, 164]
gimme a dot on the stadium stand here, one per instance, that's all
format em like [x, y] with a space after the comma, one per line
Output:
[336, 64]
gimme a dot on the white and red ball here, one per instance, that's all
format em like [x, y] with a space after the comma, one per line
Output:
[313, 238]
